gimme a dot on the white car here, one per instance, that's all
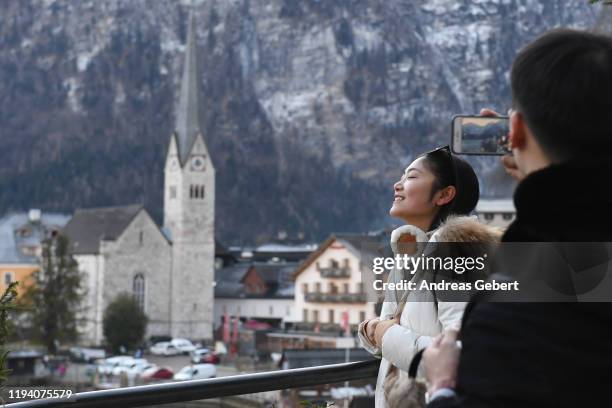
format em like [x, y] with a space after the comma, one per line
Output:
[126, 365]
[107, 366]
[184, 346]
[138, 369]
[196, 355]
[164, 349]
[196, 372]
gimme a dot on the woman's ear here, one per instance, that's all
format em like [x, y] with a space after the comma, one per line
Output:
[445, 195]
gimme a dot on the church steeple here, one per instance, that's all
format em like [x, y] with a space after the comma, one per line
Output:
[188, 108]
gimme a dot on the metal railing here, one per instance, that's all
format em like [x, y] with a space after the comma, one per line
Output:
[194, 390]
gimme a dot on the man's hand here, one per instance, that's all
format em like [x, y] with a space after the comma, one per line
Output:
[511, 167]
[381, 329]
[441, 360]
[508, 161]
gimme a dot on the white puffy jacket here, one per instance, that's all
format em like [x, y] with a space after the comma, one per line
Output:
[421, 321]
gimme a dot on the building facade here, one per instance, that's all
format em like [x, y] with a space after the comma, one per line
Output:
[169, 270]
[330, 285]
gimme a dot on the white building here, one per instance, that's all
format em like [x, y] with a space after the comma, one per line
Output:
[496, 212]
[169, 270]
[332, 281]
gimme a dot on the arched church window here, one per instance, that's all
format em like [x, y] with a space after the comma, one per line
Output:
[139, 290]
[201, 191]
[190, 191]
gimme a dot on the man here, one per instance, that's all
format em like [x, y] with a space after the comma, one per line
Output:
[544, 354]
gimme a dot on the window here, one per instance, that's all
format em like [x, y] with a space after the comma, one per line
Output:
[488, 216]
[333, 288]
[507, 216]
[333, 263]
[305, 315]
[139, 290]
[315, 316]
[172, 192]
[331, 315]
[8, 278]
[346, 263]
[141, 237]
[346, 288]
[196, 191]
[362, 316]
[318, 287]
[305, 288]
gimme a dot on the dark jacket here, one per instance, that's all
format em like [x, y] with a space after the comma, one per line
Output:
[543, 354]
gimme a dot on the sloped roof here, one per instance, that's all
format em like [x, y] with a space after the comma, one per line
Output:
[187, 111]
[360, 244]
[11, 241]
[277, 276]
[88, 227]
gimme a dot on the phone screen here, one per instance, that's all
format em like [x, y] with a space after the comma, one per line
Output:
[481, 135]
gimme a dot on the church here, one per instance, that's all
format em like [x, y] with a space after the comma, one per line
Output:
[168, 269]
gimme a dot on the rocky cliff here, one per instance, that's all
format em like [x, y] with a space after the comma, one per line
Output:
[311, 108]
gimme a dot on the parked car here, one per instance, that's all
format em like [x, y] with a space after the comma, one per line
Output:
[164, 349]
[196, 372]
[157, 373]
[86, 355]
[205, 356]
[106, 367]
[198, 353]
[139, 369]
[184, 346]
[126, 365]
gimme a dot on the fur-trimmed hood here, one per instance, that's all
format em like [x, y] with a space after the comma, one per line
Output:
[453, 229]
[466, 229]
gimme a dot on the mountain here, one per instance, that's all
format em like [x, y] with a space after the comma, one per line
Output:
[311, 108]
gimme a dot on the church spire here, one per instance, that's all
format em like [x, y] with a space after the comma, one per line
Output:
[187, 113]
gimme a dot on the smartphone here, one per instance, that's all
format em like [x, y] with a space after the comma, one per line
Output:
[480, 135]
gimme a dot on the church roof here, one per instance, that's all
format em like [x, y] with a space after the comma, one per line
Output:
[188, 108]
[89, 226]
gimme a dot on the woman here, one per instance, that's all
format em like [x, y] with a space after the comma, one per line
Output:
[435, 193]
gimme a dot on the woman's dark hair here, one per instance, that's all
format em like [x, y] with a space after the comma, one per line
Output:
[450, 170]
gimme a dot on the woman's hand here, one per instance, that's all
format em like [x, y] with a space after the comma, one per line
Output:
[381, 329]
[369, 329]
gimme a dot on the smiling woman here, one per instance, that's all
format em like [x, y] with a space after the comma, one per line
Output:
[433, 187]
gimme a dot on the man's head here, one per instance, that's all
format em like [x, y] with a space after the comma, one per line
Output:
[562, 98]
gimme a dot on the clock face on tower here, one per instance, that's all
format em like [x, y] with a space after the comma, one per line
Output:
[197, 163]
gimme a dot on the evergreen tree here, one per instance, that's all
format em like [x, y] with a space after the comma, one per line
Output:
[125, 323]
[54, 297]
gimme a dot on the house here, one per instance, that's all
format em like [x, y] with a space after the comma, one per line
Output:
[331, 285]
[255, 290]
[21, 234]
[496, 212]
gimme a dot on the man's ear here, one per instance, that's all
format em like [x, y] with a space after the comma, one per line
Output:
[517, 138]
[445, 195]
